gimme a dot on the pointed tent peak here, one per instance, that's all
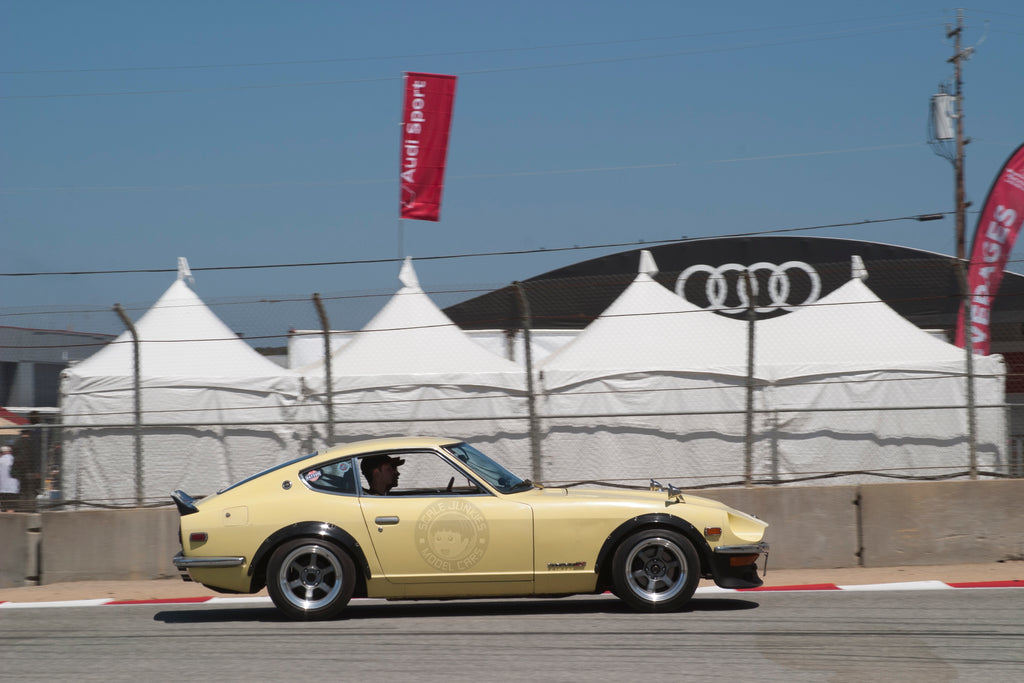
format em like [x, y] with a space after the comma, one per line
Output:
[857, 269]
[184, 272]
[647, 265]
[407, 276]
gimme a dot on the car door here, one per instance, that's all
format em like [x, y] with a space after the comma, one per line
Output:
[440, 526]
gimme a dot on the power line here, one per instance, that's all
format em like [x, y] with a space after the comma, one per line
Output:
[441, 257]
[562, 65]
[452, 53]
[472, 176]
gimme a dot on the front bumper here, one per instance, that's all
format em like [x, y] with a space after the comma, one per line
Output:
[735, 566]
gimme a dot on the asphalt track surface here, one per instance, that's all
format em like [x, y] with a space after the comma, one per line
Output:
[902, 633]
[947, 623]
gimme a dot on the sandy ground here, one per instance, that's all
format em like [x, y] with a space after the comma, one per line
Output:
[162, 589]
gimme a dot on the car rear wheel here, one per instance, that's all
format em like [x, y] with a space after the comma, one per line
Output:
[310, 579]
[655, 570]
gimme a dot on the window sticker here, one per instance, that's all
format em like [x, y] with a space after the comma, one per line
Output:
[313, 475]
[344, 467]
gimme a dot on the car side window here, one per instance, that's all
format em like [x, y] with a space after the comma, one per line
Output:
[336, 477]
[427, 473]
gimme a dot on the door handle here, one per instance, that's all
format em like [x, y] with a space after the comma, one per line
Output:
[390, 519]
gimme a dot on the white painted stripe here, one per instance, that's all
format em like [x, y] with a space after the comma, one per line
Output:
[62, 603]
[906, 586]
[236, 600]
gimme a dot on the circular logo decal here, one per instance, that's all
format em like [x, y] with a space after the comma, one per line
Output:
[451, 535]
[726, 286]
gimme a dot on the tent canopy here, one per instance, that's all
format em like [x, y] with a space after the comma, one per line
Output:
[182, 342]
[412, 342]
[649, 329]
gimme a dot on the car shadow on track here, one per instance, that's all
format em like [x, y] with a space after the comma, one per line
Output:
[368, 610]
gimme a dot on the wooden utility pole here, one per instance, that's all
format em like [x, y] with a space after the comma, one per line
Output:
[959, 55]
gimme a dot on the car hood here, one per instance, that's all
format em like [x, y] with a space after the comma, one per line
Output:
[653, 499]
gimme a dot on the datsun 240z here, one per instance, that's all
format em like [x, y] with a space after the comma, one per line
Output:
[324, 528]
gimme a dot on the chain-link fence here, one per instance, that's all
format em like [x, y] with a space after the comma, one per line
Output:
[614, 379]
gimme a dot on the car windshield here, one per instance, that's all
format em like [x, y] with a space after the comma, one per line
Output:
[488, 470]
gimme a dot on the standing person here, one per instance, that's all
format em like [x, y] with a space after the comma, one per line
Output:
[9, 486]
[26, 470]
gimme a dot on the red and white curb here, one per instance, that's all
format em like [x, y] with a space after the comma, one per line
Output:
[709, 590]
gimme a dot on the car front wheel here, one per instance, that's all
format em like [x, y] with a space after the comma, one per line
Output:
[310, 579]
[655, 570]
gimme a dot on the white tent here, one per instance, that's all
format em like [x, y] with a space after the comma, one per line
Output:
[850, 351]
[307, 346]
[412, 370]
[620, 401]
[211, 407]
[626, 389]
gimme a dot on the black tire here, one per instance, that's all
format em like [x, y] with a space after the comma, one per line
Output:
[310, 579]
[655, 570]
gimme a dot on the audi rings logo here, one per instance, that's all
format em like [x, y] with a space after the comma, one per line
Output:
[726, 286]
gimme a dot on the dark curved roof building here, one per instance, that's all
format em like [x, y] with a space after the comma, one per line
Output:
[788, 271]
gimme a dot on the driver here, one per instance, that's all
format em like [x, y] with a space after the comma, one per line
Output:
[381, 472]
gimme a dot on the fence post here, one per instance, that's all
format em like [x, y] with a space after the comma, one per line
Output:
[748, 443]
[531, 398]
[137, 383]
[328, 374]
[972, 423]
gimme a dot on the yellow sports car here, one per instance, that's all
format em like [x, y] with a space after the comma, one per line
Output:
[321, 529]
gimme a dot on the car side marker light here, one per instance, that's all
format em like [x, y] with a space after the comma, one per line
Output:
[713, 533]
[198, 537]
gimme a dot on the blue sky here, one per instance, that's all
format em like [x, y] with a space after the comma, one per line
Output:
[249, 133]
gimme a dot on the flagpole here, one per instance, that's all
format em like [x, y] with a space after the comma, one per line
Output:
[401, 124]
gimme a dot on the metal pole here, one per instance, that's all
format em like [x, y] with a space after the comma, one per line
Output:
[328, 374]
[972, 421]
[137, 380]
[748, 445]
[531, 397]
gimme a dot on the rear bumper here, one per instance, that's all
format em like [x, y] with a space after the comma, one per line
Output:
[735, 566]
[183, 564]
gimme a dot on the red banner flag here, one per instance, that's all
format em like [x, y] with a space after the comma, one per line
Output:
[426, 121]
[998, 227]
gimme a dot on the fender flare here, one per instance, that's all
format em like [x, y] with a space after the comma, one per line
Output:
[654, 520]
[320, 530]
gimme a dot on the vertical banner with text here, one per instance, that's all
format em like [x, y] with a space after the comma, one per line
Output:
[998, 227]
[426, 122]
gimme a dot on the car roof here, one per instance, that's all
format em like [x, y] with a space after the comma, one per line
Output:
[390, 443]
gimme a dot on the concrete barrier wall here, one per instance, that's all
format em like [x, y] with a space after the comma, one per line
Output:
[19, 550]
[943, 522]
[108, 545]
[872, 525]
[809, 528]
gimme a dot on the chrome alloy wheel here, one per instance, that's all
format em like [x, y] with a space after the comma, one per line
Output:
[656, 569]
[310, 577]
